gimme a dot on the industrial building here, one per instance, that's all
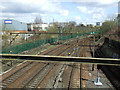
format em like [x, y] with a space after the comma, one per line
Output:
[10, 25]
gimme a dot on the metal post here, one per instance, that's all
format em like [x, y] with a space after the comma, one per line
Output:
[93, 52]
[66, 53]
[80, 76]
[24, 36]
[61, 32]
[11, 43]
[11, 63]
[101, 33]
[11, 49]
[34, 40]
[98, 83]
[94, 46]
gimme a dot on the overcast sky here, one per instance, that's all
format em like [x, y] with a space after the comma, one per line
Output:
[81, 11]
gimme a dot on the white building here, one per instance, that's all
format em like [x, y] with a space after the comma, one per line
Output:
[37, 27]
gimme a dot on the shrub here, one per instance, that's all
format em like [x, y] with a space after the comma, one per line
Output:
[107, 26]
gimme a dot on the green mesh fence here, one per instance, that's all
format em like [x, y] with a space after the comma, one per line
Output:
[26, 46]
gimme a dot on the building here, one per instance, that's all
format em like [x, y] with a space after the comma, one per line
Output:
[44, 26]
[10, 25]
[37, 27]
[30, 27]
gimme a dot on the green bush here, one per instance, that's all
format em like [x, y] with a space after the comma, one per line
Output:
[107, 26]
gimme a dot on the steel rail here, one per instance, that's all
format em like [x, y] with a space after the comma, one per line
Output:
[83, 45]
[71, 76]
[51, 33]
[54, 33]
[27, 82]
[15, 72]
[47, 72]
[61, 71]
[57, 76]
[11, 78]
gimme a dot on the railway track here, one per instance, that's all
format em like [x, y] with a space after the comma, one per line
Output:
[35, 82]
[12, 77]
[35, 79]
[75, 67]
[57, 77]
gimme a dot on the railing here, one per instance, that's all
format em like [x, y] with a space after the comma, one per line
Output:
[47, 58]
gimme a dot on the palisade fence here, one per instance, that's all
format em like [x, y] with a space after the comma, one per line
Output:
[26, 46]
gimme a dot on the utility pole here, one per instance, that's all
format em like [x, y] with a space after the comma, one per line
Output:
[53, 20]
[11, 62]
[61, 32]
[58, 33]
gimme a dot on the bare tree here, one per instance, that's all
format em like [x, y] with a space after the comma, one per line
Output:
[112, 17]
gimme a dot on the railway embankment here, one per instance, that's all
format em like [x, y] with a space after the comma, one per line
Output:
[110, 49]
